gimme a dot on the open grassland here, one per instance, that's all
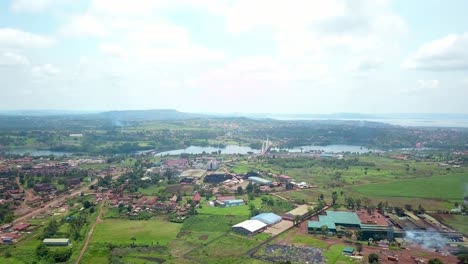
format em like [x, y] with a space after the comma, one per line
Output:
[448, 187]
[149, 232]
[308, 240]
[119, 233]
[227, 249]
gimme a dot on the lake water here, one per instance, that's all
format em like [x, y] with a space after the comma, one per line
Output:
[234, 149]
[229, 149]
[34, 152]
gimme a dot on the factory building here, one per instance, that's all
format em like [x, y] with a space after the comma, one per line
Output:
[268, 218]
[249, 227]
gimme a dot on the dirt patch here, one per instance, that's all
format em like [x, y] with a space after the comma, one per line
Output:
[203, 237]
[184, 233]
[279, 227]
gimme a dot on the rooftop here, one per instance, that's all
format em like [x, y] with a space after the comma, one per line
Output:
[251, 225]
[267, 218]
[334, 218]
[195, 173]
[300, 210]
[56, 240]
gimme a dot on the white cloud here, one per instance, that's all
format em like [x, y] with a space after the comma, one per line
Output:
[364, 64]
[44, 71]
[12, 59]
[16, 38]
[31, 5]
[444, 54]
[113, 50]
[263, 69]
[84, 26]
[428, 84]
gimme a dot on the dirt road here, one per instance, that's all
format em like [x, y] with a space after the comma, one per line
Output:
[98, 220]
[53, 203]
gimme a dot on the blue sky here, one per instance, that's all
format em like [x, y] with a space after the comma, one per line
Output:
[303, 56]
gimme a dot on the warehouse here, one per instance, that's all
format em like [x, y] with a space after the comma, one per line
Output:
[57, 242]
[249, 227]
[268, 218]
[229, 203]
[302, 211]
[332, 219]
[195, 174]
[260, 181]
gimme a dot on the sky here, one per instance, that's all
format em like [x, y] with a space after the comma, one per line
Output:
[246, 56]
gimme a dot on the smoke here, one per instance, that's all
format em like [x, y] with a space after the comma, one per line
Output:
[427, 239]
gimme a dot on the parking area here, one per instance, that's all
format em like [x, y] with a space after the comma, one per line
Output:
[279, 227]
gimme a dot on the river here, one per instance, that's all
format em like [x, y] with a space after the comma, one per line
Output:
[235, 149]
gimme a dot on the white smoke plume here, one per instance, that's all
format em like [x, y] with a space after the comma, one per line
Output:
[427, 239]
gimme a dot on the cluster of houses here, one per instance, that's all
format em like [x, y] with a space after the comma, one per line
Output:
[139, 203]
[11, 233]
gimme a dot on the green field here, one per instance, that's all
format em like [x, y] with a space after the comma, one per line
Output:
[227, 249]
[145, 232]
[309, 241]
[334, 256]
[448, 187]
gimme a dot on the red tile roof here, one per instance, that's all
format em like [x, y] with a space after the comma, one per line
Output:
[197, 197]
[21, 226]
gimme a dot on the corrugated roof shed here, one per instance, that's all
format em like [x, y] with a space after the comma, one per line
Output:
[259, 180]
[267, 218]
[56, 240]
[300, 210]
[251, 225]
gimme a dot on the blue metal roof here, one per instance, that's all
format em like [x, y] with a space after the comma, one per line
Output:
[267, 218]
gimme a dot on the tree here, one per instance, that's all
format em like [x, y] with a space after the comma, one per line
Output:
[373, 258]
[409, 207]
[358, 203]
[380, 207]
[324, 229]
[435, 261]
[42, 251]
[249, 187]
[240, 190]
[133, 240]
[359, 248]
[334, 197]
[321, 196]
[297, 220]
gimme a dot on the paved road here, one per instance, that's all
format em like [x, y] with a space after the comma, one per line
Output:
[52, 203]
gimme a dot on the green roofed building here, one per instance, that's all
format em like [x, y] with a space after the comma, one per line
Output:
[332, 219]
[348, 251]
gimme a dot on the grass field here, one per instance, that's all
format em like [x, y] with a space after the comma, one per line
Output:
[448, 187]
[146, 232]
[227, 249]
[309, 241]
[334, 256]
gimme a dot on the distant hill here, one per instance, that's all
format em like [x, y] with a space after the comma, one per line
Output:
[148, 115]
